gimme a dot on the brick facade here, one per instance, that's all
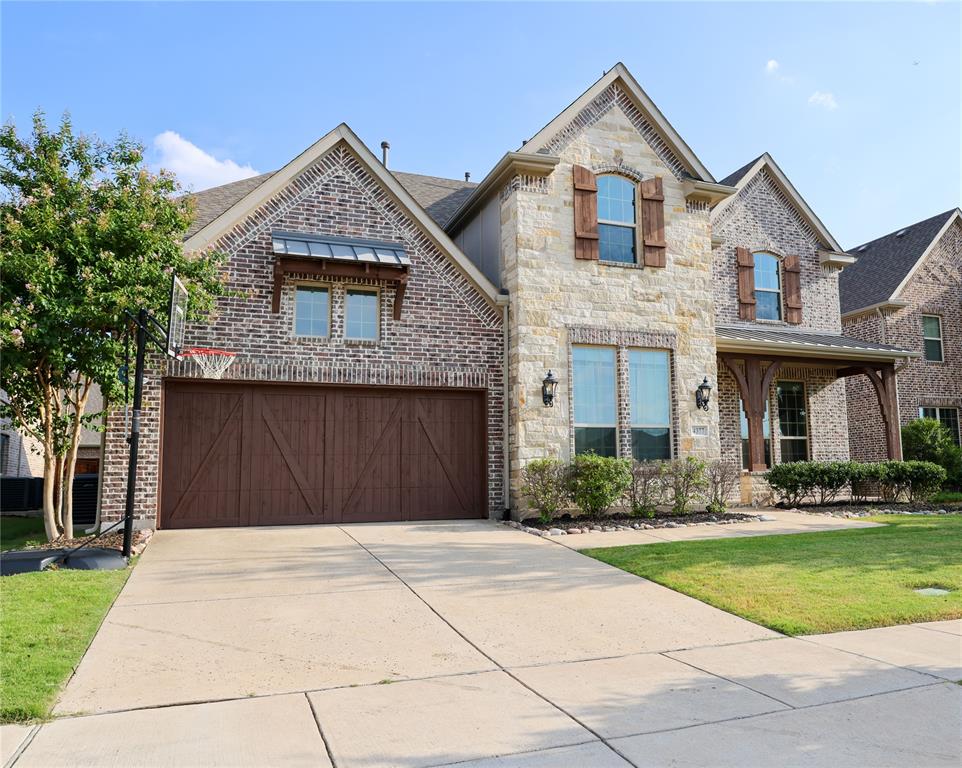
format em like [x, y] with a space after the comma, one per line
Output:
[935, 288]
[449, 334]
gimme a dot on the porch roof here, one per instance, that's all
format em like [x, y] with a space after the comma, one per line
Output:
[817, 346]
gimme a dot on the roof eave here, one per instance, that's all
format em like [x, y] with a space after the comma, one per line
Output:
[813, 351]
[838, 259]
[706, 191]
[889, 305]
[512, 164]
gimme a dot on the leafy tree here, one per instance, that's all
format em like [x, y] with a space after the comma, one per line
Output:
[931, 440]
[87, 233]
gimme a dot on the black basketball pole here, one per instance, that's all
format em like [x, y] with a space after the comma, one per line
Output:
[142, 318]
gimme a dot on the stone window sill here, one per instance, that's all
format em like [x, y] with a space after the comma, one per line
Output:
[622, 264]
[361, 342]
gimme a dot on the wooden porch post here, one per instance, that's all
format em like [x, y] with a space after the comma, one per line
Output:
[754, 385]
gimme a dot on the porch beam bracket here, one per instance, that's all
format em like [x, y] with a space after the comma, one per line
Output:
[754, 383]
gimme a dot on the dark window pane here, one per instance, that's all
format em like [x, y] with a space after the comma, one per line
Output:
[767, 305]
[600, 440]
[616, 243]
[794, 450]
[792, 416]
[933, 350]
[650, 443]
[950, 418]
[931, 327]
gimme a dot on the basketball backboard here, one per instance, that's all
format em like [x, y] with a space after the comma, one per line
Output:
[177, 319]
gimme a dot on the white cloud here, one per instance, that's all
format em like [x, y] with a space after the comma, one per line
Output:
[195, 168]
[772, 66]
[824, 99]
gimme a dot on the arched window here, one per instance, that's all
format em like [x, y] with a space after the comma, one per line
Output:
[768, 287]
[617, 219]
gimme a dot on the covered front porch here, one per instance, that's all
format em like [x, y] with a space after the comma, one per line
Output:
[782, 397]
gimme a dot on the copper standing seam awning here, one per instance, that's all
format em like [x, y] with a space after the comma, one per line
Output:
[763, 351]
[327, 255]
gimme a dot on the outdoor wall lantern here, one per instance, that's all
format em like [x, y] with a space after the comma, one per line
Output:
[703, 395]
[548, 387]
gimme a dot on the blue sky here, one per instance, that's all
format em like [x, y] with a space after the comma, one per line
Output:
[859, 103]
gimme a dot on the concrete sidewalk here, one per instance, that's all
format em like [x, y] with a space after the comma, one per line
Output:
[471, 643]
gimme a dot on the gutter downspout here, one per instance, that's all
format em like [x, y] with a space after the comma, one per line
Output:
[504, 301]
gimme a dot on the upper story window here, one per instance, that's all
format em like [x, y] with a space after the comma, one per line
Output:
[361, 314]
[312, 311]
[932, 337]
[595, 400]
[617, 219]
[768, 287]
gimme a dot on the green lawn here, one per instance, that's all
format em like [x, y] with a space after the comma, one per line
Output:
[47, 620]
[815, 582]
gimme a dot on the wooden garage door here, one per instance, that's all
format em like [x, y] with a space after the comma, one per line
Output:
[236, 454]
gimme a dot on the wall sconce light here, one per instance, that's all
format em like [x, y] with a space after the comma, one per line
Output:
[548, 387]
[703, 395]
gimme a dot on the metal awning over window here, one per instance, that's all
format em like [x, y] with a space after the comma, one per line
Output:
[329, 256]
[339, 249]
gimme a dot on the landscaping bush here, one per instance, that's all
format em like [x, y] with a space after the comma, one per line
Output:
[597, 482]
[918, 480]
[864, 478]
[685, 480]
[544, 485]
[792, 481]
[721, 479]
[829, 478]
[930, 440]
[647, 488]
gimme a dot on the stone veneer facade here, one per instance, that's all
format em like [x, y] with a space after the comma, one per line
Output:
[557, 300]
[449, 334]
[762, 218]
[934, 289]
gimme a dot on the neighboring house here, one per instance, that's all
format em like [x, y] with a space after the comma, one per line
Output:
[395, 333]
[22, 455]
[906, 290]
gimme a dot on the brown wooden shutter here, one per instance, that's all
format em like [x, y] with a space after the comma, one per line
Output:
[745, 261]
[792, 270]
[586, 214]
[653, 222]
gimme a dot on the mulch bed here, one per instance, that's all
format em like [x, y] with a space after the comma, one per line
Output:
[621, 522]
[110, 541]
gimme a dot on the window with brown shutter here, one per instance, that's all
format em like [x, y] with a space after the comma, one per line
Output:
[586, 213]
[791, 266]
[653, 222]
[745, 262]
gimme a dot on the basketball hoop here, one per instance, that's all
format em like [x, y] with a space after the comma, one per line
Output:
[212, 362]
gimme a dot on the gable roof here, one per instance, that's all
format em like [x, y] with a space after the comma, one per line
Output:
[885, 264]
[619, 73]
[740, 179]
[440, 198]
[274, 182]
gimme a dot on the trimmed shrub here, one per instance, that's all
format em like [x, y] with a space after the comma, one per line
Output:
[647, 488]
[597, 482]
[792, 481]
[829, 478]
[930, 440]
[916, 480]
[721, 478]
[863, 479]
[544, 485]
[685, 479]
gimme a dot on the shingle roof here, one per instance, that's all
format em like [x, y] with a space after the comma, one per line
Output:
[805, 342]
[211, 203]
[439, 197]
[884, 262]
[733, 178]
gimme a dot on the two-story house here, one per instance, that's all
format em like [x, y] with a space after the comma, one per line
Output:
[406, 344]
[906, 290]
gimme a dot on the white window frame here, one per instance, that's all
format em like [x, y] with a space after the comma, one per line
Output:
[938, 409]
[330, 304]
[808, 431]
[779, 291]
[348, 289]
[633, 226]
[574, 394]
[631, 423]
[939, 338]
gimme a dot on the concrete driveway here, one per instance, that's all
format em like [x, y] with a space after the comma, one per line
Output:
[471, 643]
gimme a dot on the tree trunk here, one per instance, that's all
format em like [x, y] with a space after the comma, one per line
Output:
[49, 464]
[79, 403]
